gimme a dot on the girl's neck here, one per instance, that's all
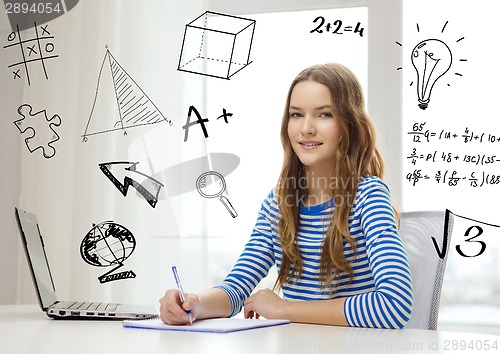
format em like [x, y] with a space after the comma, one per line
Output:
[319, 187]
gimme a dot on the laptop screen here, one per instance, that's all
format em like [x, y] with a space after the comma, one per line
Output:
[37, 259]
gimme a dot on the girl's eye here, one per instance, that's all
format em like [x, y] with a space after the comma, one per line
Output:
[326, 115]
[295, 115]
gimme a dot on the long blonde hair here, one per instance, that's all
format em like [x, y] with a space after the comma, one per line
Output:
[356, 156]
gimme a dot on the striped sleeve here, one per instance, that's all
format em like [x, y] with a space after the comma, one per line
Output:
[390, 304]
[255, 260]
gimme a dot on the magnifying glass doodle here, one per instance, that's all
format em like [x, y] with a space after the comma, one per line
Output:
[214, 188]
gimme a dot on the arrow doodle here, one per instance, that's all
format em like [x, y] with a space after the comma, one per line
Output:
[149, 189]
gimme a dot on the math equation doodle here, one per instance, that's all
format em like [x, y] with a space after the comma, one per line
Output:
[472, 245]
[34, 51]
[133, 105]
[477, 157]
[108, 244]
[431, 58]
[39, 131]
[335, 27]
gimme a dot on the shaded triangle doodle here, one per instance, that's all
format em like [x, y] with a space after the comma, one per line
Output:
[119, 102]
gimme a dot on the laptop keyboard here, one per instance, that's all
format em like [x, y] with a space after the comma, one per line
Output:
[86, 306]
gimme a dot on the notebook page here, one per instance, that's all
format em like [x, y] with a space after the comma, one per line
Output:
[216, 325]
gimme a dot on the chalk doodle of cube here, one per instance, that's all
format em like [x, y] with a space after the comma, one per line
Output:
[216, 45]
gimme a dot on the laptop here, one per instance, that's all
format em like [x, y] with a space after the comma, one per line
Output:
[47, 297]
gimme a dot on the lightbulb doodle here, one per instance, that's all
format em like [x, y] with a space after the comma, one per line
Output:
[431, 58]
[108, 244]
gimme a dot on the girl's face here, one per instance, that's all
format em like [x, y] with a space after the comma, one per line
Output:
[313, 131]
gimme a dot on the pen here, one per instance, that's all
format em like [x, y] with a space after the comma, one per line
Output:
[181, 291]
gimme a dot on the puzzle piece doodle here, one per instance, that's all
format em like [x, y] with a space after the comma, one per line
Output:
[40, 133]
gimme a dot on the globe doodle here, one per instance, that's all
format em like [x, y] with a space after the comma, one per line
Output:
[108, 244]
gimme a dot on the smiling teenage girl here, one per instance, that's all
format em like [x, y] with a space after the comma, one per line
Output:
[329, 225]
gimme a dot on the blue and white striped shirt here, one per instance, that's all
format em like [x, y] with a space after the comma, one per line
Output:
[380, 294]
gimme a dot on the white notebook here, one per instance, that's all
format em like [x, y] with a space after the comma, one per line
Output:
[216, 325]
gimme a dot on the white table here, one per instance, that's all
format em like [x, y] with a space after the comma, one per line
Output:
[26, 329]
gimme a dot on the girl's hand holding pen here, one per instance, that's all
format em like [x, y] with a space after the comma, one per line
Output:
[173, 311]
